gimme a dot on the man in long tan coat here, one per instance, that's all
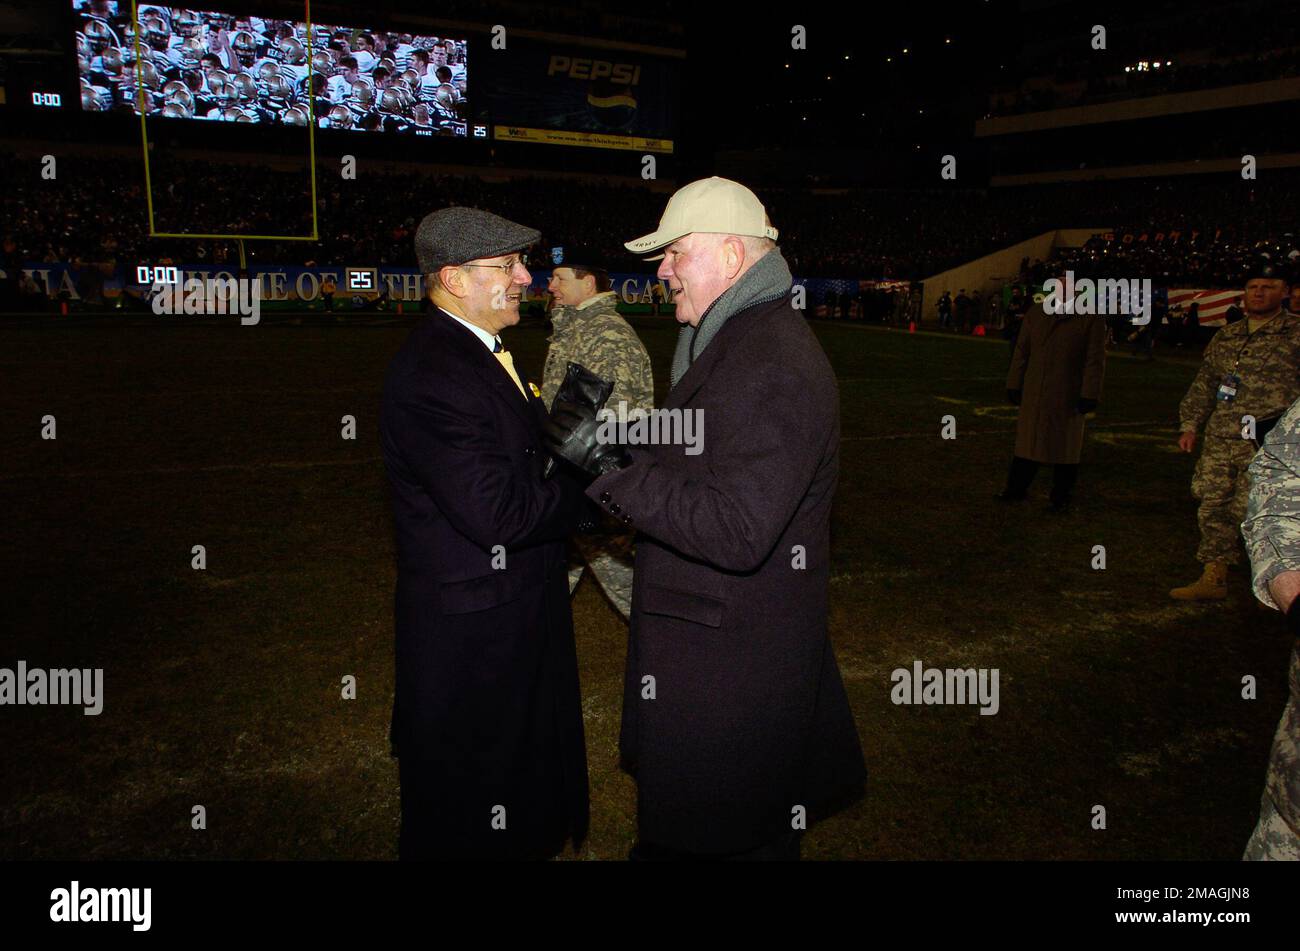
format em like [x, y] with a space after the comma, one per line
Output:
[1055, 378]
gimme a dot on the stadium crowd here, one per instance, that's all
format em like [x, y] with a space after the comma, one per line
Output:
[248, 69]
[1196, 230]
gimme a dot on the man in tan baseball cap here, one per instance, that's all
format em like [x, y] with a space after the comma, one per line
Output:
[750, 706]
[715, 205]
[711, 233]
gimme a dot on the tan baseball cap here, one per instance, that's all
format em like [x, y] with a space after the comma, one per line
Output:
[711, 205]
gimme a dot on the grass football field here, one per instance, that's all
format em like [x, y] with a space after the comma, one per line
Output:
[223, 685]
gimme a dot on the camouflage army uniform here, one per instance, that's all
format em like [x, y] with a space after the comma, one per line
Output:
[594, 335]
[1268, 364]
[1272, 532]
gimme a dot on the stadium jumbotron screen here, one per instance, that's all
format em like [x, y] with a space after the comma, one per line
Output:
[220, 66]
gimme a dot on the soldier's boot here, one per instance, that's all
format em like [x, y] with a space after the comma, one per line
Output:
[1212, 585]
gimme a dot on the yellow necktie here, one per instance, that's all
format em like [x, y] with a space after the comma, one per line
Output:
[507, 361]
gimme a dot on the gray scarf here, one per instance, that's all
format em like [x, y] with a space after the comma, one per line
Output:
[767, 280]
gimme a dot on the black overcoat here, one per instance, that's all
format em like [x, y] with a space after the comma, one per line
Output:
[734, 712]
[487, 718]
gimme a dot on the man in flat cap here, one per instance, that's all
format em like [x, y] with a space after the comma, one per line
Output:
[736, 724]
[487, 718]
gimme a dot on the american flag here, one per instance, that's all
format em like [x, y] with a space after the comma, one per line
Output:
[1213, 304]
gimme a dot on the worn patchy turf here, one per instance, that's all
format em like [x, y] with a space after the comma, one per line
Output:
[223, 686]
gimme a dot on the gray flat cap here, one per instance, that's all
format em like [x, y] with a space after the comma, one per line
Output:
[455, 235]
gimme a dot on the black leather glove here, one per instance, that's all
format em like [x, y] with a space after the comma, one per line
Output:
[572, 434]
[580, 388]
[1013, 396]
[1086, 405]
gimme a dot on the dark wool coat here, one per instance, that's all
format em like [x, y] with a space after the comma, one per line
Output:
[1057, 360]
[749, 719]
[487, 712]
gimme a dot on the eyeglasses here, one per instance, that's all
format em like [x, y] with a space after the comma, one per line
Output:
[521, 261]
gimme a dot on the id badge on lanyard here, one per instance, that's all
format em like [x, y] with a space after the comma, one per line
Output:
[1231, 381]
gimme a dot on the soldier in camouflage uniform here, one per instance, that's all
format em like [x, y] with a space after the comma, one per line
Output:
[1251, 368]
[588, 330]
[1272, 532]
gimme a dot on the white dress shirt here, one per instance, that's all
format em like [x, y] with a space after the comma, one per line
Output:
[489, 341]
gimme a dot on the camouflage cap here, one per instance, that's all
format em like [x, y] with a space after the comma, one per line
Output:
[578, 256]
[1264, 266]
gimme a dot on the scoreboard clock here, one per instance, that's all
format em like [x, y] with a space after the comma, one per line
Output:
[47, 99]
[157, 275]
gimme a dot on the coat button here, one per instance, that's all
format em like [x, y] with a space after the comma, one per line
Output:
[604, 496]
[615, 509]
[627, 519]
[530, 451]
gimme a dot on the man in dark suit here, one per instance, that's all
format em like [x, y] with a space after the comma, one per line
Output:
[487, 718]
[736, 724]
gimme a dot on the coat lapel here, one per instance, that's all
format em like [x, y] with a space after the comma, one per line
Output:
[495, 374]
[539, 409]
[486, 365]
[697, 374]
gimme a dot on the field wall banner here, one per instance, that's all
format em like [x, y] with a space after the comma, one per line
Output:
[359, 287]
